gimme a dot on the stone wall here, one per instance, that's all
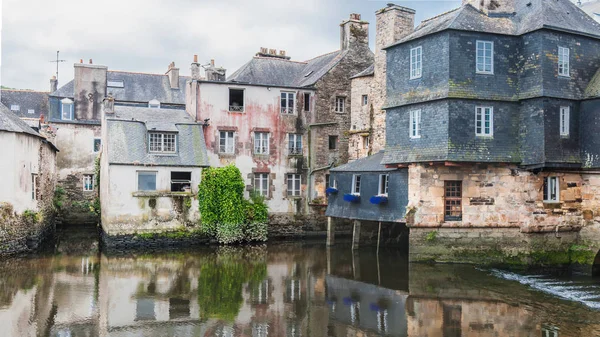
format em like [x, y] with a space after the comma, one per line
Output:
[285, 225]
[361, 118]
[26, 232]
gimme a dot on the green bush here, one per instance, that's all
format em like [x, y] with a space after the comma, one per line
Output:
[59, 198]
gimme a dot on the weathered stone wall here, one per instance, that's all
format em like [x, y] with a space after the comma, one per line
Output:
[23, 233]
[361, 118]
[285, 225]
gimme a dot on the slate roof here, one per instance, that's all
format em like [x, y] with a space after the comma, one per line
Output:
[280, 72]
[127, 137]
[530, 15]
[370, 71]
[26, 100]
[137, 87]
[10, 122]
[368, 164]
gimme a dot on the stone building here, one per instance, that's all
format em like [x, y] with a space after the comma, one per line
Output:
[74, 118]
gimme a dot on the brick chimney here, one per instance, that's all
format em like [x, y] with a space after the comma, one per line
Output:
[214, 73]
[195, 68]
[53, 84]
[354, 32]
[173, 74]
[492, 6]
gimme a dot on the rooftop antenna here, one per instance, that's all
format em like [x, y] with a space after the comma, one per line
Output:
[57, 61]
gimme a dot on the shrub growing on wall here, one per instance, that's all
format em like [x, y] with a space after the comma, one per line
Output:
[226, 215]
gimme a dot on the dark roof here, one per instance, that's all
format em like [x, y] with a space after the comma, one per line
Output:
[368, 164]
[370, 71]
[10, 122]
[137, 87]
[127, 137]
[285, 73]
[26, 100]
[593, 87]
[530, 15]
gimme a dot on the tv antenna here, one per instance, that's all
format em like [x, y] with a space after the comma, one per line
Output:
[57, 61]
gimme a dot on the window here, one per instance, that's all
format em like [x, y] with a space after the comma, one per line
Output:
[88, 182]
[549, 331]
[416, 62]
[162, 142]
[563, 61]
[114, 83]
[293, 185]
[154, 104]
[340, 103]
[307, 101]
[295, 144]
[415, 124]
[261, 143]
[236, 100]
[97, 144]
[551, 189]
[226, 144]
[365, 99]
[383, 184]
[485, 57]
[181, 181]
[327, 180]
[365, 142]
[484, 121]
[287, 102]
[34, 186]
[356, 184]
[261, 184]
[31, 111]
[15, 107]
[453, 200]
[564, 120]
[146, 181]
[333, 142]
[66, 113]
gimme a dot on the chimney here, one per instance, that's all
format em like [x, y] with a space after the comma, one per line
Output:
[354, 33]
[89, 90]
[91, 61]
[214, 73]
[195, 68]
[493, 6]
[53, 84]
[173, 74]
[264, 52]
[109, 104]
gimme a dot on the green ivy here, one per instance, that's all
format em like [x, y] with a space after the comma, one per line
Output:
[59, 198]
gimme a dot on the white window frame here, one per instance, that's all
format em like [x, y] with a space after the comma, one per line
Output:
[66, 103]
[550, 183]
[260, 177]
[162, 142]
[293, 142]
[564, 124]
[564, 68]
[480, 113]
[384, 182]
[31, 111]
[340, 104]
[416, 62]
[155, 104]
[366, 142]
[261, 143]
[229, 147]
[415, 124]
[356, 184]
[85, 178]
[15, 107]
[294, 185]
[137, 179]
[233, 108]
[287, 108]
[481, 46]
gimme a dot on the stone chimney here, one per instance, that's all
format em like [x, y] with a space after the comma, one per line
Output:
[393, 23]
[354, 32]
[89, 90]
[265, 52]
[173, 74]
[195, 69]
[492, 6]
[213, 73]
[53, 84]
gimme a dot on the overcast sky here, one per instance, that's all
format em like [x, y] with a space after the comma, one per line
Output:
[146, 35]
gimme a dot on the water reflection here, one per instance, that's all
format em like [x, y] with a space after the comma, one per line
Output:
[277, 290]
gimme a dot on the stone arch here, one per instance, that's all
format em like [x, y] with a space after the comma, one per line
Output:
[596, 265]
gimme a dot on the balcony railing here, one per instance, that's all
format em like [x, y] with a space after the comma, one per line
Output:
[236, 108]
[287, 110]
[295, 150]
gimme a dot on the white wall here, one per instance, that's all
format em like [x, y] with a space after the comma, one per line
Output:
[76, 144]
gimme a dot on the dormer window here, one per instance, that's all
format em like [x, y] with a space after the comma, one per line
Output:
[115, 84]
[154, 104]
[15, 107]
[162, 142]
[66, 113]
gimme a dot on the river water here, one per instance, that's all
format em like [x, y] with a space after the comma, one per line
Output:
[283, 289]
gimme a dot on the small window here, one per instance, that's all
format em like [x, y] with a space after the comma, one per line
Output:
[236, 100]
[97, 144]
[226, 142]
[356, 184]
[15, 107]
[162, 142]
[261, 143]
[484, 121]
[330, 181]
[34, 186]
[31, 111]
[563, 61]
[146, 181]
[415, 124]
[181, 181]
[66, 113]
[551, 189]
[287, 102]
[550, 331]
[307, 101]
[293, 185]
[154, 104]
[383, 184]
[452, 200]
[416, 62]
[88, 182]
[115, 83]
[294, 144]
[327, 180]
[365, 142]
[564, 121]
[340, 104]
[333, 142]
[261, 184]
[485, 57]
[365, 100]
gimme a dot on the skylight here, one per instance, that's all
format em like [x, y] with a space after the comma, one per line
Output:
[115, 83]
[309, 73]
